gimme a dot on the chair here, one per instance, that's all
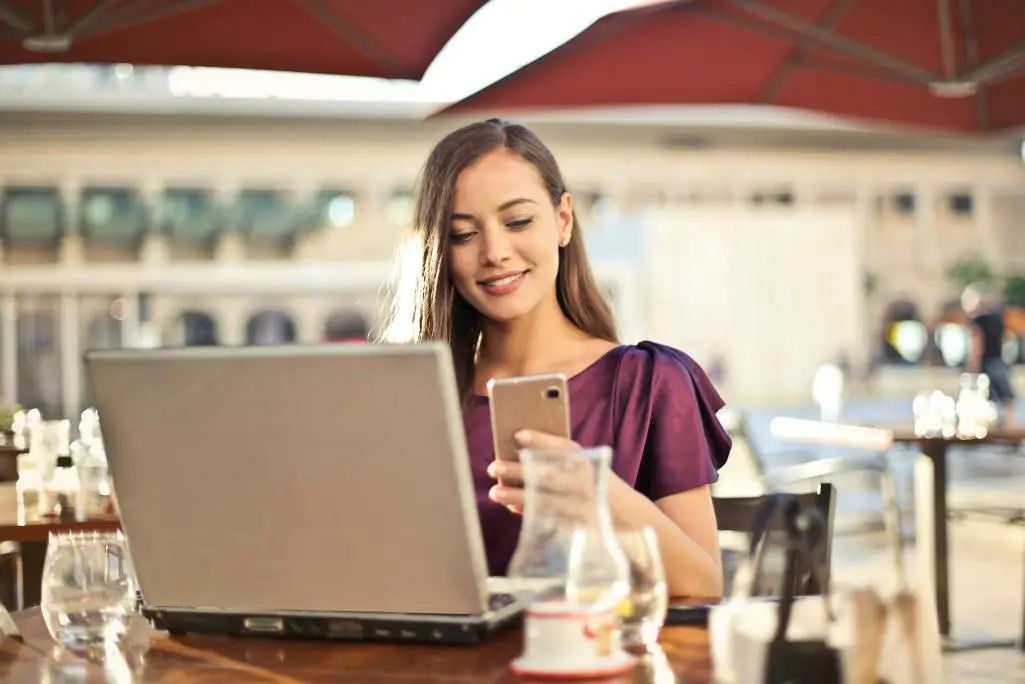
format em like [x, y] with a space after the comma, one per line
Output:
[11, 595]
[737, 514]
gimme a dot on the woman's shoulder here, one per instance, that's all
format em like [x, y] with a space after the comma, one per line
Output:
[665, 402]
[665, 375]
[659, 362]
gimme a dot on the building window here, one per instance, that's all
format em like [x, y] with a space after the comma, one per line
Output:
[111, 214]
[31, 216]
[904, 203]
[193, 329]
[399, 208]
[187, 215]
[961, 203]
[348, 325]
[270, 328]
[265, 215]
[335, 209]
[39, 365]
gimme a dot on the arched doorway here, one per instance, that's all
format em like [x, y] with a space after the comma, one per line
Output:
[347, 326]
[39, 366]
[952, 336]
[193, 329]
[905, 337]
[270, 327]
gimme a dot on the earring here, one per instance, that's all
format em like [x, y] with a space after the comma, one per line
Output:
[565, 241]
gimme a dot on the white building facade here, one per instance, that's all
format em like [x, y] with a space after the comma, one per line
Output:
[126, 230]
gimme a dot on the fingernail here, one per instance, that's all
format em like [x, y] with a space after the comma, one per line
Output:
[523, 437]
[497, 494]
[496, 470]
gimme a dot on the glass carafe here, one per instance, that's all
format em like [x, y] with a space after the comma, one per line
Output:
[567, 548]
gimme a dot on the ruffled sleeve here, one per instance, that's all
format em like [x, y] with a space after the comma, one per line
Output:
[669, 438]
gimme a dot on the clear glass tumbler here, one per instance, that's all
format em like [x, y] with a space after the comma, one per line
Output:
[88, 589]
[641, 615]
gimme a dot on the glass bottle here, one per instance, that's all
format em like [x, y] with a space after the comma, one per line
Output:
[61, 490]
[567, 550]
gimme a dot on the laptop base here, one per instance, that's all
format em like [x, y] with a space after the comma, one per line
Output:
[447, 630]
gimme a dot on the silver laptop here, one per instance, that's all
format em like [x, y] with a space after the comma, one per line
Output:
[320, 491]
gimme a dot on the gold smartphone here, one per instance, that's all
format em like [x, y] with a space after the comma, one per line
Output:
[529, 402]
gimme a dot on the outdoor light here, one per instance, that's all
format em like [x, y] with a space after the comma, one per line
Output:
[47, 43]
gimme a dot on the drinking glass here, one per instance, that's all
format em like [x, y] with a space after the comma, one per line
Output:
[643, 612]
[88, 589]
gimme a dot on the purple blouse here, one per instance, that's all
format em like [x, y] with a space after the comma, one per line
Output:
[651, 403]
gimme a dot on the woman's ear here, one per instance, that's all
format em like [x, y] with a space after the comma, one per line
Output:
[564, 218]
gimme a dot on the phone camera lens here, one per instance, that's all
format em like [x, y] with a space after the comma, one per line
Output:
[552, 393]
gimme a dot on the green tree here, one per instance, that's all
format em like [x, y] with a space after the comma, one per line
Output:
[1014, 290]
[969, 270]
[7, 414]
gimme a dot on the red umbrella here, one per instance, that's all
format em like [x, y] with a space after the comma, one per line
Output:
[948, 64]
[381, 38]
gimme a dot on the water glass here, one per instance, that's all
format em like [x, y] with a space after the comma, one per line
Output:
[88, 589]
[643, 612]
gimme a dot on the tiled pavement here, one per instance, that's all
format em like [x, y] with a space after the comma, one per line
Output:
[987, 592]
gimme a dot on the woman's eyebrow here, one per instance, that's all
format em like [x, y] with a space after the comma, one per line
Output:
[501, 207]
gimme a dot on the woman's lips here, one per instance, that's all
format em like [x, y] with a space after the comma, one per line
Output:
[503, 285]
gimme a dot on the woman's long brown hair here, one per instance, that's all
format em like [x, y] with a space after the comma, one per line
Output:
[425, 304]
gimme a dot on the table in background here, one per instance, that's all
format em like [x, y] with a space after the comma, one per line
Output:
[33, 536]
[936, 450]
[202, 660]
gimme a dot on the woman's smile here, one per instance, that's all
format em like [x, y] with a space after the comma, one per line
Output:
[503, 283]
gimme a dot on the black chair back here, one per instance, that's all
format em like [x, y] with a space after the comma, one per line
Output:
[736, 514]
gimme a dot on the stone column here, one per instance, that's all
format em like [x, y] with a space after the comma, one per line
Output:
[71, 250]
[925, 217]
[130, 323]
[232, 314]
[9, 348]
[230, 246]
[986, 235]
[3, 257]
[154, 247]
[70, 355]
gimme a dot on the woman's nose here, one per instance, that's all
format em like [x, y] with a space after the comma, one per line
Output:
[496, 247]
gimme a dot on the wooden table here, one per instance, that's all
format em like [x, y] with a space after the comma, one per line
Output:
[151, 657]
[936, 450]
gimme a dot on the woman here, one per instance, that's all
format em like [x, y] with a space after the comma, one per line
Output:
[500, 273]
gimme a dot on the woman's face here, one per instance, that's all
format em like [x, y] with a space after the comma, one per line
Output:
[505, 236]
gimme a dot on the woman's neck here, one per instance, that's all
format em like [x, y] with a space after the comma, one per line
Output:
[530, 344]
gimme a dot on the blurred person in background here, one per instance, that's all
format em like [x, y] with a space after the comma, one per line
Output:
[501, 275]
[985, 309]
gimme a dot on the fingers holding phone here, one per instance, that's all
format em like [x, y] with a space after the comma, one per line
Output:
[526, 412]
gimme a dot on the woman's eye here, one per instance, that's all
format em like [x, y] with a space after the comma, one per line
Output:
[520, 224]
[460, 238]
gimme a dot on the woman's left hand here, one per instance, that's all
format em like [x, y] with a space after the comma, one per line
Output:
[510, 491]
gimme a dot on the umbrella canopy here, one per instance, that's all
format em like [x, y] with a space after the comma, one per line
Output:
[957, 65]
[379, 38]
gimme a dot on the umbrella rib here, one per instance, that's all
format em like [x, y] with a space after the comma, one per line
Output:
[835, 42]
[946, 38]
[799, 53]
[1006, 62]
[15, 18]
[90, 16]
[859, 70]
[971, 47]
[349, 33]
[142, 12]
